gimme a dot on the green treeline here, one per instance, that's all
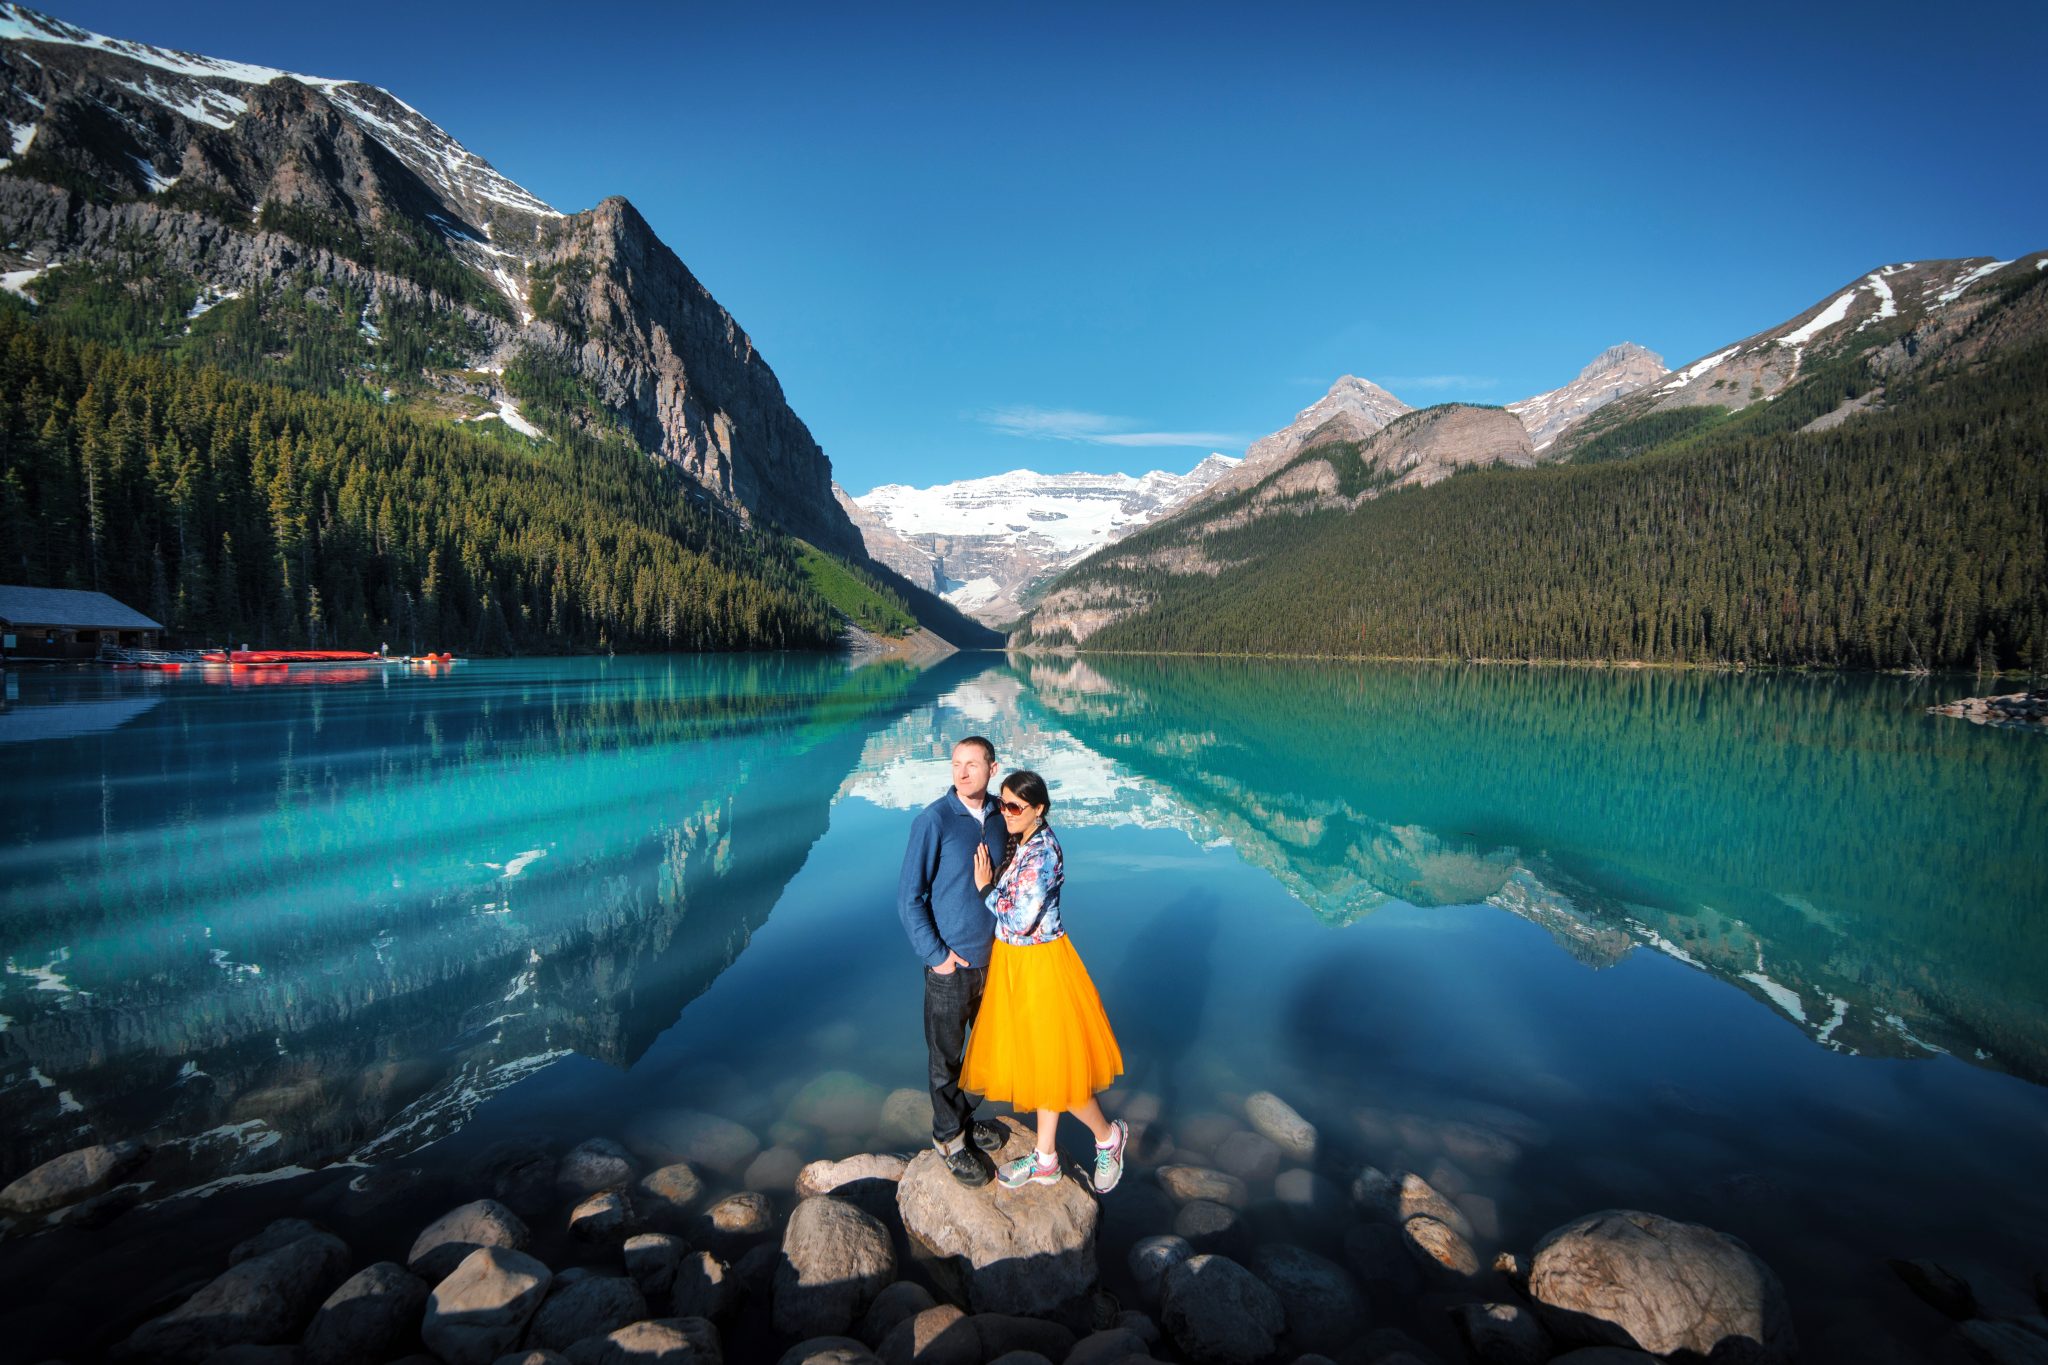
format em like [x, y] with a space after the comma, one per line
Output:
[1914, 536]
[237, 510]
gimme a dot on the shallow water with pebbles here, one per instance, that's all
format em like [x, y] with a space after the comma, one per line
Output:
[1503, 948]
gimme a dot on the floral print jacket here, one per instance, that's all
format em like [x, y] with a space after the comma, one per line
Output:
[1026, 898]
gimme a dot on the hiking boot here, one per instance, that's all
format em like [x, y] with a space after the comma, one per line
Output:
[1026, 1170]
[968, 1166]
[1109, 1161]
[990, 1137]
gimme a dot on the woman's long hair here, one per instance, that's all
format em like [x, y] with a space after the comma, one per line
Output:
[1028, 787]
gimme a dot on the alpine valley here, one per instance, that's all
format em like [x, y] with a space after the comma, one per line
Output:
[334, 378]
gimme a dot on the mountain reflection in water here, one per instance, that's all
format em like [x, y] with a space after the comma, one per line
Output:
[309, 924]
[1819, 842]
[297, 925]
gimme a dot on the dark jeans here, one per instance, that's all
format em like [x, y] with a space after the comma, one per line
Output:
[950, 1002]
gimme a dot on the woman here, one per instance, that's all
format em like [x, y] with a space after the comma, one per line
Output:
[1041, 1040]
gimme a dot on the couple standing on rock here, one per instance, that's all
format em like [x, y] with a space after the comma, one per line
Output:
[980, 899]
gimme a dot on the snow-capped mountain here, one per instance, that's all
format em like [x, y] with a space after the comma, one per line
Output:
[984, 543]
[1615, 373]
[1926, 307]
[213, 92]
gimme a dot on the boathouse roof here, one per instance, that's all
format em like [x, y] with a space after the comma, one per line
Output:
[69, 607]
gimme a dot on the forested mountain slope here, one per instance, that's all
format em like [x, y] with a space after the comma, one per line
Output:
[1829, 525]
[324, 234]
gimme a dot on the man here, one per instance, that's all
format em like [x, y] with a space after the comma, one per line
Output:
[952, 931]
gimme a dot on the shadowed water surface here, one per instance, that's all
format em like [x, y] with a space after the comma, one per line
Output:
[1762, 952]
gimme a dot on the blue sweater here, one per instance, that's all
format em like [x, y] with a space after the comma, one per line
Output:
[936, 897]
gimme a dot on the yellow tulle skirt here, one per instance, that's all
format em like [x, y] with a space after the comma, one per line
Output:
[1041, 1040]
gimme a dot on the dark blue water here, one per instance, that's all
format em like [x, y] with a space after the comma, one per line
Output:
[1766, 953]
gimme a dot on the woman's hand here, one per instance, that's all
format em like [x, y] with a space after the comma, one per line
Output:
[984, 871]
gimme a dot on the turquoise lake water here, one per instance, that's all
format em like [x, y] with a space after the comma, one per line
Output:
[1769, 953]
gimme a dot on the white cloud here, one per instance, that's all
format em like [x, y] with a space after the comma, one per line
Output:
[1436, 381]
[1096, 428]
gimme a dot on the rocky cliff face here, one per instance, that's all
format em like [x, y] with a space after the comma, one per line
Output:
[240, 176]
[660, 351]
[1615, 373]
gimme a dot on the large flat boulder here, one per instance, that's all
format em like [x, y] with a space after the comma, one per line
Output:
[1014, 1251]
[71, 1177]
[1632, 1279]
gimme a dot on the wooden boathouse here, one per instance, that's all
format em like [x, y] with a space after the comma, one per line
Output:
[65, 625]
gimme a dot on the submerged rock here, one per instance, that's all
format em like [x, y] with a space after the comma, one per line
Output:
[1503, 1333]
[1015, 1251]
[1939, 1286]
[1625, 1278]
[1324, 1309]
[1276, 1119]
[1440, 1246]
[265, 1299]
[595, 1166]
[71, 1177]
[1252, 1157]
[1213, 1228]
[1418, 1196]
[1219, 1313]
[1152, 1257]
[1187, 1183]
[701, 1139]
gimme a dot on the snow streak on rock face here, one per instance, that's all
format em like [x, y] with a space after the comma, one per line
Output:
[206, 90]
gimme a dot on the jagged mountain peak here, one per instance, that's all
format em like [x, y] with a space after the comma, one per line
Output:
[1617, 356]
[1614, 373]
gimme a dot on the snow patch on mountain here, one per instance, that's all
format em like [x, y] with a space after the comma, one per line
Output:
[982, 543]
[196, 93]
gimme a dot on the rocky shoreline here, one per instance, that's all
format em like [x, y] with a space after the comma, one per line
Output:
[1240, 1238]
[2014, 710]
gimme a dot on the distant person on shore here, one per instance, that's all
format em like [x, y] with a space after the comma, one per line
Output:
[1041, 1041]
[951, 930]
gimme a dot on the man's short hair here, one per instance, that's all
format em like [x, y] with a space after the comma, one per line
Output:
[986, 747]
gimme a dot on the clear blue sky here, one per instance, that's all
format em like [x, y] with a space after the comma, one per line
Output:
[978, 237]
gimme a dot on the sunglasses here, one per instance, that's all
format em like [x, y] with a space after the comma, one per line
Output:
[1013, 807]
